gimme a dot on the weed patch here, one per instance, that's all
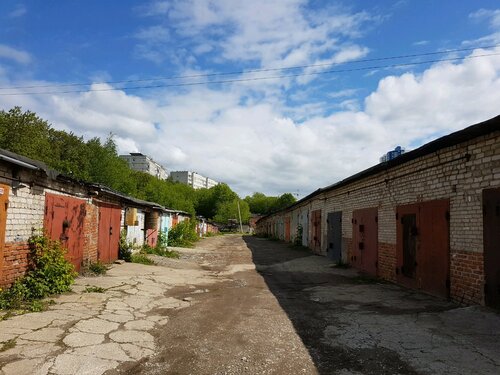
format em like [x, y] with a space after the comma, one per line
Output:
[142, 259]
[94, 289]
[97, 268]
[9, 344]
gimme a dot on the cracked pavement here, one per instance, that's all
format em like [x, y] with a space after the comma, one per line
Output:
[244, 305]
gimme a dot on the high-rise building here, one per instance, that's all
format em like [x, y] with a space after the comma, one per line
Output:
[143, 163]
[197, 181]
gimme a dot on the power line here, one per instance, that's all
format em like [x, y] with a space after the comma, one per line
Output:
[251, 79]
[206, 75]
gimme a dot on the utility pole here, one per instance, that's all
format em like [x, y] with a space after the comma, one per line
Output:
[239, 214]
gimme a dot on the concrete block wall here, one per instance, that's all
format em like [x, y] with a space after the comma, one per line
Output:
[458, 173]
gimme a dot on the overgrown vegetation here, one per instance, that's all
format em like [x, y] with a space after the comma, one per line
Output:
[9, 344]
[49, 273]
[124, 248]
[94, 289]
[183, 234]
[161, 248]
[142, 259]
[97, 268]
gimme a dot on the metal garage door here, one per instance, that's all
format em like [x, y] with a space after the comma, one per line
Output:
[109, 232]
[334, 235]
[423, 246]
[64, 218]
[365, 240]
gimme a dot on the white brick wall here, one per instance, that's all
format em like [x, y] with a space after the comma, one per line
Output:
[445, 174]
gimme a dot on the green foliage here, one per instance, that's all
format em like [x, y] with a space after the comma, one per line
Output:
[160, 248]
[229, 210]
[124, 249]
[94, 289]
[142, 259]
[183, 234]
[9, 344]
[97, 161]
[50, 273]
[261, 204]
[98, 268]
[50, 268]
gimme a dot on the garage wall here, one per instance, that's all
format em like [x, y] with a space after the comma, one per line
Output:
[458, 173]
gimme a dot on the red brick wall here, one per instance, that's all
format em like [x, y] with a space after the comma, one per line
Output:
[90, 233]
[387, 261]
[467, 277]
[15, 262]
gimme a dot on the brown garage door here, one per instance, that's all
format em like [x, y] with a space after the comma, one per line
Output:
[423, 246]
[64, 217]
[364, 256]
[109, 232]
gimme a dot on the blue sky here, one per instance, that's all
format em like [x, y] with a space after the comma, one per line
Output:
[275, 135]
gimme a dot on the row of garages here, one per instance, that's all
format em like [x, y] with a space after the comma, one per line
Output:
[86, 218]
[429, 219]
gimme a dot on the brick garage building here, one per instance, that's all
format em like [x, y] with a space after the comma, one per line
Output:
[428, 219]
[32, 198]
[85, 218]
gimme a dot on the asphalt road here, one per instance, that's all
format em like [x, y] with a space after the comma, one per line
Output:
[281, 310]
[244, 305]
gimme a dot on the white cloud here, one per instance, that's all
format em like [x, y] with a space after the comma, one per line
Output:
[254, 146]
[16, 55]
[493, 19]
[19, 11]
[266, 33]
[492, 16]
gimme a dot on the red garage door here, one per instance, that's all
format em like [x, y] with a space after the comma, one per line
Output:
[109, 232]
[64, 217]
[423, 246]
[364, 255]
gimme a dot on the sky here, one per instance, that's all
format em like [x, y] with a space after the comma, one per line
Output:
[269, 96]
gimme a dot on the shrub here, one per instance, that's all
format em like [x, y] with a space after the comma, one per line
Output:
[98, 268]
[124, 249]
[49, 273]
[142, 259]
[159, 250]
[183, 234]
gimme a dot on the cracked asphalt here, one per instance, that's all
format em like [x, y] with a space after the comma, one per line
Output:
[244, 305]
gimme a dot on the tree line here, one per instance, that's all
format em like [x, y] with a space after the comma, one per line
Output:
[97, 161]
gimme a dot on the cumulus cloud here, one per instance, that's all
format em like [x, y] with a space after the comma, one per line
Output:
[270, 33]
[255, 146]
[13, 54]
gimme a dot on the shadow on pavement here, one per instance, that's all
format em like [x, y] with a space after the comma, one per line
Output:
[297, 278]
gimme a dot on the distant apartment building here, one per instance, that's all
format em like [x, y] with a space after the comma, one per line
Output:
[197, 181]
[143, 163]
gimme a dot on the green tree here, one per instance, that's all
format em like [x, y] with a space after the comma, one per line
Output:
[26, 134]
[229, 210]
